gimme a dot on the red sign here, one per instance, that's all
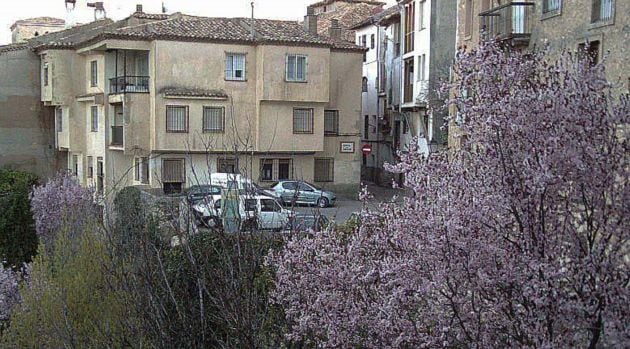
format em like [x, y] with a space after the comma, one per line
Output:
[367, 149]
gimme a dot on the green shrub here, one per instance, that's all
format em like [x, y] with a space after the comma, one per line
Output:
[18, 241]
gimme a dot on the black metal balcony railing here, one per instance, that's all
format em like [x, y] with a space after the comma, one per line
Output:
[117, 135]
[512, 21]
[129, 84]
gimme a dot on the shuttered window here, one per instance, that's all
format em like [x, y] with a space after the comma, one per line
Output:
[324, 170]
[302, 120]
[173, 171]
[296, 68]
[235, 66]
[331, 122]
[94, 118]
[214, 119]
[176, 119]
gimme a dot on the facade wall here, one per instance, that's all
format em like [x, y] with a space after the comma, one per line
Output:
[26, 129]
[24, 32]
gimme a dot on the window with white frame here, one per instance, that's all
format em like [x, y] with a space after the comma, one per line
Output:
[303, 120]
[93, 73]
[235, 66]
[176, 119]
[94, 119]
[422, 67]
[90, 167]
[296, 68]
[421, 14]
[214, 119]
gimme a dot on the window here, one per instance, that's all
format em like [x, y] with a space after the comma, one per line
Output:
[366, 127]
[235, 66]
[275, 169]
[372, 41]
[396, 39]
[45, 74]
[137, 169]
[331, 122]
[302, 120]
[227, 165]
[408, 83]
[589, 50]
[422, 67]
[90, 167]
[94, 119]
[364, 40]
[176, 119]
[469, 18]
[602, 10]
[93, 73]
[214, 119]
[410, 22]
[324, 170]
[405, 126]
[266, 170]
[551, 6]
[297, 68]
[144, 176]
[364, 84]
[173, 175]
[269, 205]
[75, 165]
[421, 14]
[284, 169]
[59, 119]
[100, 175]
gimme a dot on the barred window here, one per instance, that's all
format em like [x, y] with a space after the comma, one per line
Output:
[331, 122]
[176, 119]
[90, 167]
[235, 66]
[302, 120]
[275, 169]
[173, 171]
[324, 170]
[296, 68]
[213, 119]
[602, 10]
[93, 73]
[94, 119]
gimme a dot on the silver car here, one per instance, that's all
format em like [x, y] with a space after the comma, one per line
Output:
[298, 192]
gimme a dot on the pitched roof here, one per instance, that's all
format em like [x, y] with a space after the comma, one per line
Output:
[48, 21]
[328, 2]
[387, 13]
[13, 47]
[182, 27]
[348, 15]
[193, 92]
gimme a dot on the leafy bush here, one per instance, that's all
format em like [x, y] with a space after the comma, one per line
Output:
[18, 241]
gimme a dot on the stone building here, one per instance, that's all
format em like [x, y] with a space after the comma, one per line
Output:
[165, 100]
[601, 27]
[26, 29]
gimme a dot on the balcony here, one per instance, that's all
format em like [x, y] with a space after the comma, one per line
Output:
[129, 84]
[118, 136]
[509, 22]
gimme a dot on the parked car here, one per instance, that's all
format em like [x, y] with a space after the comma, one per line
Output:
[261, 211]
[307, 221]
[299, 192]
[197, 193]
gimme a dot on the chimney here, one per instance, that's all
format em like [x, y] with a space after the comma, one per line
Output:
[70, 20]
[334, 32]
[139, 8]
[99, 10]
[310, 21]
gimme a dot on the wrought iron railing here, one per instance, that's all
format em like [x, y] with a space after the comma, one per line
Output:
[118, 135]
[509, 21]
[129, 84]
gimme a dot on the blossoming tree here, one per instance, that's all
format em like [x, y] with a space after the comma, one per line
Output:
[519, 239]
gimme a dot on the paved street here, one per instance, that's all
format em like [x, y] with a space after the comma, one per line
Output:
[346, 206]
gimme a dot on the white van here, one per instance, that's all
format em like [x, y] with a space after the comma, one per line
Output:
[231, 181]
[264, 211]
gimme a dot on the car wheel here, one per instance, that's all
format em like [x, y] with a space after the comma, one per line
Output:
[322, 202]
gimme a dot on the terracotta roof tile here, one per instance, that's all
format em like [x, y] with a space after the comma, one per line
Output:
[192, 92]
[348, 15]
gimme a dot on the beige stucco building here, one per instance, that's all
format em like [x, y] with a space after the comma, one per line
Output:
[165, 100]
[601, 26]
[26, 29]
